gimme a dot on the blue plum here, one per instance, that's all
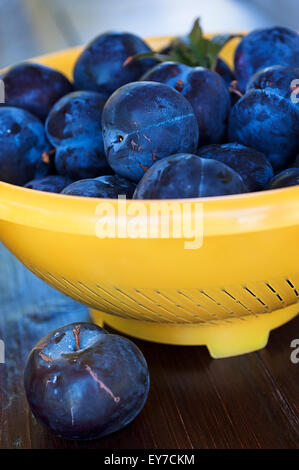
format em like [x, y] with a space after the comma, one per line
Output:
[144, 122]
[266, 118]
[34, 87]
[74, 129]
[83, 383]
[225, 71]
[265, 47]
[205, 90]
[297, 161]
[22, 143]
[253, 166]
[50, 184]
[289, 177]
[110, 186]
[276, 78]
[188, 176]
[101, 66]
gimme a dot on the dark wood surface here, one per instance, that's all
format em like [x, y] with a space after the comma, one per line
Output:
[249, 401]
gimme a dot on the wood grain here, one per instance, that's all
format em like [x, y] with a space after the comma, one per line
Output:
[249, 401]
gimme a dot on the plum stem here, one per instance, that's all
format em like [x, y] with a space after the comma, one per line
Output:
[128, 60]
[76, 332]
[144, 167]
[45, 357]
[179, 86]
[46, 155]
[233, 88]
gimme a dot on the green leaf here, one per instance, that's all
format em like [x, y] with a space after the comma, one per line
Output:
[193, 49]
[183, 52]
[196, 33]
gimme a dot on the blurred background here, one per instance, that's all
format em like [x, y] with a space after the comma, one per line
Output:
[33, 27]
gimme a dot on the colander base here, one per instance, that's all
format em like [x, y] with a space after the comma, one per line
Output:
[223, 339]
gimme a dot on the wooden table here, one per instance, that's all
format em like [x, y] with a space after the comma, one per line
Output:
[251, 401]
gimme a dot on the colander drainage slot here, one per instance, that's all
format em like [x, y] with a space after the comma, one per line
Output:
[236, 300]
[129, 310]
[198, 305]
[140, 305]
[292, 287]
[275, 292]
[175, 305]
[217, 303]
[255, 296]
[170, 314]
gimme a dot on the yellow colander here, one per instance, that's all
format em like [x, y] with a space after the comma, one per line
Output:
[228, 293]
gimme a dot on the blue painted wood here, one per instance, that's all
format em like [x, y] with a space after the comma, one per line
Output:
[29, 309]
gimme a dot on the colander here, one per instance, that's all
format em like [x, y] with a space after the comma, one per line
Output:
[227, 294]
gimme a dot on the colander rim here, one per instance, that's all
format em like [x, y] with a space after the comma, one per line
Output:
[240, 213]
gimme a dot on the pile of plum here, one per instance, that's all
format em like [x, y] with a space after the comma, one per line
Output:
[174, 124]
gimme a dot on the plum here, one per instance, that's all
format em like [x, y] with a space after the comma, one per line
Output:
[188, 176]
[289, 177]
[253, 166]
[101, 66]
[276, 78]
[22, 143]
[74, 128]
[50, 184]
[263, 48]
[83, 383]
[34, 87]
[225, 71]
[144, 122]
[266, 118]
[206, 91]
[110, 186]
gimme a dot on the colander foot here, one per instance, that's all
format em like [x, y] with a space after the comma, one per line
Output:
[223, 339]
